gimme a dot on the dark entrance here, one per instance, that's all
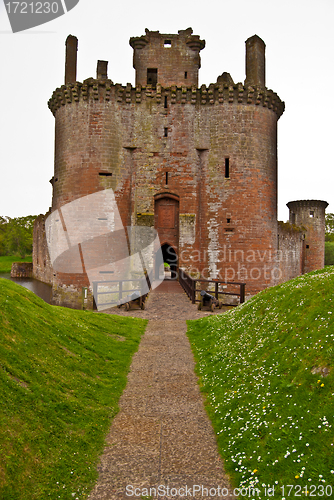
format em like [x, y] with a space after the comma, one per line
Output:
[166, 223]
[169, 256]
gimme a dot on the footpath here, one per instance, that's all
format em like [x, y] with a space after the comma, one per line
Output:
[161, 443]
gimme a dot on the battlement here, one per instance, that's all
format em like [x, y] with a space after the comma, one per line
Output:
[218, 93]
[306, 204]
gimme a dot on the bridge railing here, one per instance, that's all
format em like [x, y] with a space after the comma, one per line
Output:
[111, 293]
[217, 288]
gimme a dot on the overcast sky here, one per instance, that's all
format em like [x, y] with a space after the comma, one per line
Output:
[299, 39]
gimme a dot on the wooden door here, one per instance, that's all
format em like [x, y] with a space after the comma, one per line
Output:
[167, 221]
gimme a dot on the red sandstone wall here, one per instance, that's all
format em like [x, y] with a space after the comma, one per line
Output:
[227, 226]
[240, 211]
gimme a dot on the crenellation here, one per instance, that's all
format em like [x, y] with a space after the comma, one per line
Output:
[214, 93]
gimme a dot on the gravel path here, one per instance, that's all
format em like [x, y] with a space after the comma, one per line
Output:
[162, 438]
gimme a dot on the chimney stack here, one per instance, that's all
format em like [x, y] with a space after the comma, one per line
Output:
[102, 70]
[255, 62]
[71, 59]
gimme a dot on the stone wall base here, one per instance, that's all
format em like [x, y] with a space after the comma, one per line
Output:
[21, 270]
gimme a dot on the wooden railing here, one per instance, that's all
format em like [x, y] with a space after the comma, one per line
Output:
[120, 288]
[213, 287]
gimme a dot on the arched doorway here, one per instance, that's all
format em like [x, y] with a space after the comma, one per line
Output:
[166, 222]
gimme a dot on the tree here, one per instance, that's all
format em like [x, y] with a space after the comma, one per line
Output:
[329, 253]
[3, 222]
[16, 235]
[329, 231]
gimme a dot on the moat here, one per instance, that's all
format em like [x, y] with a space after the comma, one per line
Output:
[40, 289]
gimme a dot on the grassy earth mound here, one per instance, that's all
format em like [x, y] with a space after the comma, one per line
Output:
[61, 375]
[266, 369]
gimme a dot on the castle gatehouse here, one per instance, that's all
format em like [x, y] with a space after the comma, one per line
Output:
[196, 164]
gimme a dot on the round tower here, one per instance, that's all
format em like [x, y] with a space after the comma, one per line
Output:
[87, 138]
[85, 132]
[310, 214]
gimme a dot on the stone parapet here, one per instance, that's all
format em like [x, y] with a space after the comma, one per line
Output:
[105, 90]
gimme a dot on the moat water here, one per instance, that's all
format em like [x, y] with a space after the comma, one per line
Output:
[37, 287]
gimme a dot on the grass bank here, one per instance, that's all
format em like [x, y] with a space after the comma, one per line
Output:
[61, 375]
[7, 261]
[266, 369]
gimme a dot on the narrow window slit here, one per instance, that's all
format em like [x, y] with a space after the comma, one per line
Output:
[165, 132]
[165, 101]
[227, 168]
[105, 174]
[166, 178]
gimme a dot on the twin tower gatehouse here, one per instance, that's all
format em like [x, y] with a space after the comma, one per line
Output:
[198, 164]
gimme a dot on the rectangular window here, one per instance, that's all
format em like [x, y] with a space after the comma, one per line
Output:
[312, 213]
[165, 101]
[167, 44]
[166, 178]
[185, 75]
[152, 76]
[227, 168]
[165, 132]
[105, 174]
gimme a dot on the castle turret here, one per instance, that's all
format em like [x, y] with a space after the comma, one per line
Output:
[310, 214]
[167, 59]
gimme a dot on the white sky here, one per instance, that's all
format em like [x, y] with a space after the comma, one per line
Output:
[299, 39]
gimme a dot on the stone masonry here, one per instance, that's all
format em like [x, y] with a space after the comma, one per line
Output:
[197, 164]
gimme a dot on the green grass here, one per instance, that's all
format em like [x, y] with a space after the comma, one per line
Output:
[61, 375]
[7, 260]
[271, 407]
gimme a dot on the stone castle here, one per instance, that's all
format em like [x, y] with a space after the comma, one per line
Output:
[199, 164]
